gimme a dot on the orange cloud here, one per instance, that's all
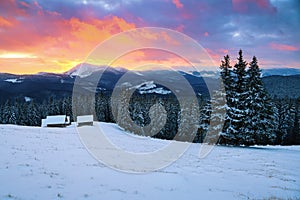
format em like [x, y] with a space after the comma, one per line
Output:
[4, 22]
[283, 47]
[54, 44]
[178, 4]
[140, 60]
[34, 39]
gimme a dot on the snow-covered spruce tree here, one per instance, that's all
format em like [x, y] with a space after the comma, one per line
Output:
[13, 119]
[293, 138]
[22, 117]
[1, 114]
[53, 106]
[228, 82]
[120, 110]
[205, 113]
[219, 107]
[296, 129]
[226, 75]
[237, 111]
[66, 107]
[286, 120]
[33, 115]
[158, 116]
[6, 112]
[102, 110]
[189, 120]
[260, 119]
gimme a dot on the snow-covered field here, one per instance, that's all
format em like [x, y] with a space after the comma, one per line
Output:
[52, 163]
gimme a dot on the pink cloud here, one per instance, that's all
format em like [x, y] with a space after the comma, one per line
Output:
[283, 47]
[185, 14]
[180, 28]
[178, 4]
[244, 6]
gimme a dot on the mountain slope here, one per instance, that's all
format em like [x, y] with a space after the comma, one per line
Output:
[283, 86]
[43, 85]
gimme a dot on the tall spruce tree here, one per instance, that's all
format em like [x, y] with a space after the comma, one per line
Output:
[226, 74]
[217, 117]
[33, 116]
[9, 113]
[1, 114]
[286, 120]
[205, 113]
[237, 110]
[259, 121]
[228, 82]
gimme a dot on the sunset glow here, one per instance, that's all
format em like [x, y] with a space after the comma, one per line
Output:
[54, 36]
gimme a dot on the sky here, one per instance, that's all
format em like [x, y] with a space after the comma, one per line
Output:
[54, 35]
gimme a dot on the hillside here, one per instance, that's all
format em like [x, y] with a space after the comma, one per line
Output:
[44, 85]
[52, 163]
[283, 86]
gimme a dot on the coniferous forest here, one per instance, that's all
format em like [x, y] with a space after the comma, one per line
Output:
[251, 116]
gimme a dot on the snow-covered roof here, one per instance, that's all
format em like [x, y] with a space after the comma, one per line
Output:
[85, 118]
[56, 119]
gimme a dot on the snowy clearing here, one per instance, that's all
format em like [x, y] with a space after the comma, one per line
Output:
[52, 163]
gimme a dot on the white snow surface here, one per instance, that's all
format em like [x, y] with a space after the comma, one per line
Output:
[84, 70]
[27, 99]
[149, 87]
[13, 80]
[52, 163]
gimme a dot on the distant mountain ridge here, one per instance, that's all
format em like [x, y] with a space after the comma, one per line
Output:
[41, 86]
[283, 86]
[280, 72]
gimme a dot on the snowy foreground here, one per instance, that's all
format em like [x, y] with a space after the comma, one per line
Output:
[52, 163]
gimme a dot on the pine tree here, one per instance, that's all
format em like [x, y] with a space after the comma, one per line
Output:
[100, 107]
[286, 117]
[66, 107]
[53, 106]
[1, 114]
[227, 78]
[205, 114]
[296, 129]
[33, 115]
[259, 122]
[218, 115]
[226, 75]
[9, 113]
[188, 122]
[22, 117]
[293, 139]
[237, 111]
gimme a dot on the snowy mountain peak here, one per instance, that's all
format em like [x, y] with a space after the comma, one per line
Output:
[84, 69]
[150, 87]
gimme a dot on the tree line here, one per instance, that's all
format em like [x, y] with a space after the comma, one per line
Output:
[249, 116]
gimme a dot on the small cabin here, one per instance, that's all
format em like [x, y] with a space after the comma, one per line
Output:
[56, 121]
[85, 120]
